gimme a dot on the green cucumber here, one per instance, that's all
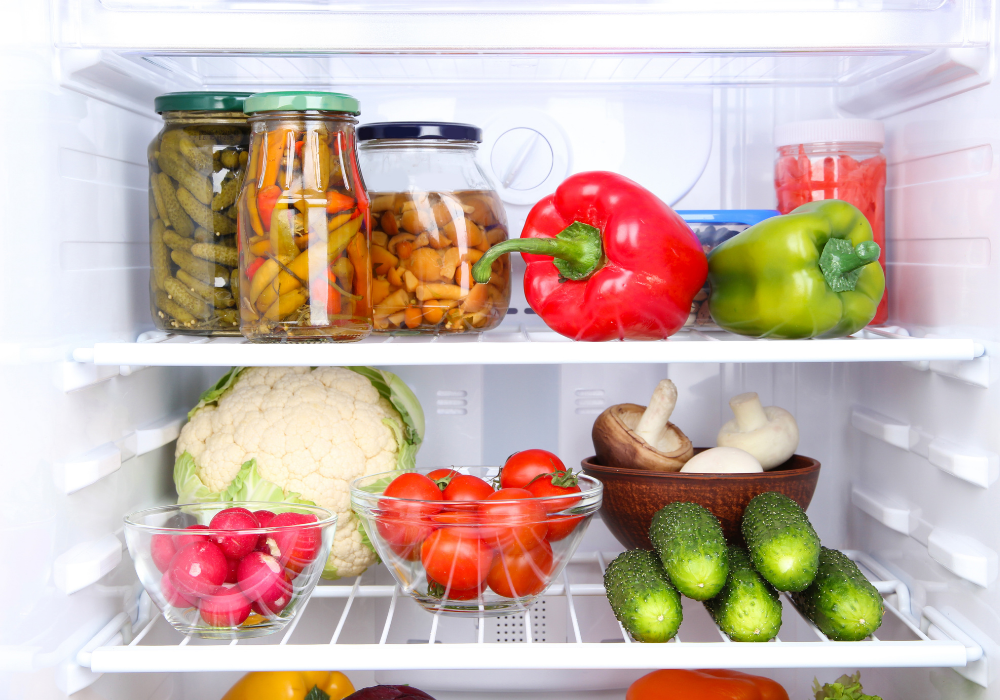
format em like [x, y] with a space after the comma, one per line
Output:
[690, 543]
[783, 545]
[841, 602]
[641, 596]
[748, 608]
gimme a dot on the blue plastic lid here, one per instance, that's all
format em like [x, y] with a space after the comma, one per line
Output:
[748, 217]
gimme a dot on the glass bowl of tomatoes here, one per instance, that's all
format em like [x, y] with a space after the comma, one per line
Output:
[230, 570]
[476, 540]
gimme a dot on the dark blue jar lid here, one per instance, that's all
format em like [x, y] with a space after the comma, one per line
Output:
[420, 130]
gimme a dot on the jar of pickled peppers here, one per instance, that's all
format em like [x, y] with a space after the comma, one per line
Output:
[434, 214]
[196, 165]
[303, 221]
[835, 159]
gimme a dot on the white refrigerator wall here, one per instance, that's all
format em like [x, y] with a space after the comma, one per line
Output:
[75, 238]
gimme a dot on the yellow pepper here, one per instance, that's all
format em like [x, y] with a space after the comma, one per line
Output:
[289, 685]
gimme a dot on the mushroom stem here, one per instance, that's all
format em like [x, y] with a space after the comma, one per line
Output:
[748, 411]
[652, 426]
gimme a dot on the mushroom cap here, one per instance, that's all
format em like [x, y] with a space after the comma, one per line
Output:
[723, 460]
[618, 445]
[772, 444]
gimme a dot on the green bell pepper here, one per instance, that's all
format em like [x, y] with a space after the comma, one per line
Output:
[808, 274]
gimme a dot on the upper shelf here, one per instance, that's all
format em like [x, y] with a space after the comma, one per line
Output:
[587, 26]
[523, 346]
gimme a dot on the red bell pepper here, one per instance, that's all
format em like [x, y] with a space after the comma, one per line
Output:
[606, 260]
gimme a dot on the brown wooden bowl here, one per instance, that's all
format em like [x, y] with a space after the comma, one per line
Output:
[632, 496]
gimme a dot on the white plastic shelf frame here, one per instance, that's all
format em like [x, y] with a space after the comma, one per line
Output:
[404, 637]
[589, 26]
[522, 346]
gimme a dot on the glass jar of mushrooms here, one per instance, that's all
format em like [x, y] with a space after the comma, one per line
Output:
[434, 213]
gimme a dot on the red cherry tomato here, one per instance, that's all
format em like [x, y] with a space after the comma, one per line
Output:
[521, 573]
[560, 526]
[512, 521]
[456, 558]
[555, 485]
[405, 523]
[442, 474]
[409, 552]
[522, 467]
[467, 488]
[436, 590]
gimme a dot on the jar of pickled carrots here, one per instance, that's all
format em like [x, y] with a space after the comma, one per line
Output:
[305, 263]
[434, 214]
[196, 165]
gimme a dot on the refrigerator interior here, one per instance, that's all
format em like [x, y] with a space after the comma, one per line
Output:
[682, 100]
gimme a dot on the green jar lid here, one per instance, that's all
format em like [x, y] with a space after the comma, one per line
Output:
[301, 101]
[200, 102]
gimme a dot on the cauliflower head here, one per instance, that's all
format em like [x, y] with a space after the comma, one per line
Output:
[301, 435]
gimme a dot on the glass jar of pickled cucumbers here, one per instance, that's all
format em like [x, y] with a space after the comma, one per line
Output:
[303, 221]
[434, 214]
[196, 166]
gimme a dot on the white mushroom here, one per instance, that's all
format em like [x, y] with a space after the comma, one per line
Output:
[722, 460]
[768, 433]
[654, 427]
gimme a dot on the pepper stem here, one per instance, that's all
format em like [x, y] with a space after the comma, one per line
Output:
[577, 251]
[841, 262]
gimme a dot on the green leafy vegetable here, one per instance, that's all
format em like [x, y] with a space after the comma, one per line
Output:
[316, 694]
[247, 485]
[411, 434]
[844, 688]
[211, 395]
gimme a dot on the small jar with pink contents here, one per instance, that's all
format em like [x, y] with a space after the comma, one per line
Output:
[835, 159]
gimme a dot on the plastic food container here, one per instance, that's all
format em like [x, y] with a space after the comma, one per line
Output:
[215, 577]
[196, 164]
[434, 213]
[835, 159]
[304, 221]
[494, 556]
[712, 227]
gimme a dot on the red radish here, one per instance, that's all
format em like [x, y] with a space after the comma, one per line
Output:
[163, 548]
[239, 545]
[224, 607]
[185, 540]
[275, 599]
[233, 566]
[173, 596]
[264, 518]
[297, 546]
[196, 570]
[258, 572]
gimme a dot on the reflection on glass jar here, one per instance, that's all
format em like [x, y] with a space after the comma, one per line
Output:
[304, 228]
[434, 214]
[196, 166]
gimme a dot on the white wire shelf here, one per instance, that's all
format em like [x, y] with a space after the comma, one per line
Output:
[373, 628]
[522, 346]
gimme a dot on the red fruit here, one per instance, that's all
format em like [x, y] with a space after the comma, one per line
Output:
[521, 574]
[264, 518]
[456, 558]
[163, 548]
[560, 526]
[275, 599]
[296, 546]
[436, 590]
[257, 573]
[184, 540]
[556, 485]
[513, 520]
[233, 565]
[441, 477]
[404, 531]
[224, 607]
[235, 546]
[467, 488]
[198, 569]
[521, 467]
[173, 596]
[409, 552]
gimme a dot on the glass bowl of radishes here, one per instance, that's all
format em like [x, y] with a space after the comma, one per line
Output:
[230, 570]
[477, 540]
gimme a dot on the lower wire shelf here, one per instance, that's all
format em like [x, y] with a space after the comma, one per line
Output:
[373, 628]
